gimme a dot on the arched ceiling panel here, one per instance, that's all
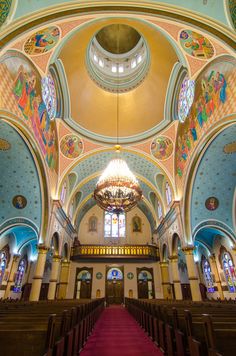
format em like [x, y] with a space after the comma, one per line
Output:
[19, 178]
[215, 181]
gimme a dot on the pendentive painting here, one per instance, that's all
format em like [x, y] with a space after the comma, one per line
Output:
[71, 146]
[162, 147]
[42, 41]
[196, 45]
[215, 98]
[21, 94]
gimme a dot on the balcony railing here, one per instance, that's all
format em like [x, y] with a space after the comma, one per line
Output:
[123, 252]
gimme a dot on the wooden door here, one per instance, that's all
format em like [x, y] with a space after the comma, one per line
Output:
[143, 289]
[115, 292]
[85, 289]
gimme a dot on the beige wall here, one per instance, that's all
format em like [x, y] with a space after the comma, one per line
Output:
[88, 237]
[128, 284]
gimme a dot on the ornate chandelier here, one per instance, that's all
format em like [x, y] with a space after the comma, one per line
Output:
[117, 189]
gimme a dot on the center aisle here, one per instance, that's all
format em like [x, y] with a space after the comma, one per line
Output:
[117, 334]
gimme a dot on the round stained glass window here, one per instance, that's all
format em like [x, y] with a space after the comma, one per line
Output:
[49, 95]
[186, 96]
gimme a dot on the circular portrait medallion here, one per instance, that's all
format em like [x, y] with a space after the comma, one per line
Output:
[42, 41]
[162, 147]
[196, 45]
[19, 202]
[212, 203]
[71, 146]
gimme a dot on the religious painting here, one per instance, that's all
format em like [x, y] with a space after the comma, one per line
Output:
[212, 203]
[230, 148]
[136, 224]
[22, 96]
[215, 98]
[5, 7]
[196, 45]
[93, 223]
[4, 145]
[232, 11]
[71, 146]
[19, 202]
[42, 41]
[162, 147]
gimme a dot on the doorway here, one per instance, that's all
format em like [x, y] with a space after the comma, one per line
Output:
[145, 283]
[83, 283]
[114, 285]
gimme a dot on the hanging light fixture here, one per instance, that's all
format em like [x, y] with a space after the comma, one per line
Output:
[117, 189]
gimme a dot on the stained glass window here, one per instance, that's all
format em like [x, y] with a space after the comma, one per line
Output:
[159, 209]
[206, 268]
[144, 276]
[114, 273]
[84, 275]
[49, 95]
[3, 263]
[186, 96]
[229, 271]
[168, 194]
[114, 225]
[19, 276]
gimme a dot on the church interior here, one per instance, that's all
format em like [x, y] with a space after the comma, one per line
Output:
[118, 173]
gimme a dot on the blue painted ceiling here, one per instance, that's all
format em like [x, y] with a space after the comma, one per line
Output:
[215, 177]
[18, 177]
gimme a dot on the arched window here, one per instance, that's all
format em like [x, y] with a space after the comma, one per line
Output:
[206, 269]
[49, 95]
[63, 193]
[229, 271]
[114, 225]
[185, 99]
[3, 264]
[114, 273]
[159, 210]
[20, 275]
[168, 194]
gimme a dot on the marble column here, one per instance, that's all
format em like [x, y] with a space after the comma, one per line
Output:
[214, 270]
[11, 280]
[165, 280]
[175, 276]
[192, 273]
[38, 273]
[63, 282]
[53, 277]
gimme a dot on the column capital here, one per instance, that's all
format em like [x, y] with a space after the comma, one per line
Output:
[65, 263]
[173, 258]
[188, 250]
[56, 258]
[164, 264]
[42, 248]
[16, 256]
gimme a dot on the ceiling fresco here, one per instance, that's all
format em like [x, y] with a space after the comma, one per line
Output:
[19, 178]
[215, 177]
[137, 112]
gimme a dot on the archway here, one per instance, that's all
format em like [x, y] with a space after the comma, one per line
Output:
[114, 285]
[145, 283]
[83, 283]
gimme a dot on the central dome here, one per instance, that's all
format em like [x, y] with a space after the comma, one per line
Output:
[118, 58]
[118, 38]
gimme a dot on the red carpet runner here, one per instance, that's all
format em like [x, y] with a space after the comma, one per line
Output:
[117, 334]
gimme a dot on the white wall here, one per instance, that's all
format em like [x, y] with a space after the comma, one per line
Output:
[90, 237]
